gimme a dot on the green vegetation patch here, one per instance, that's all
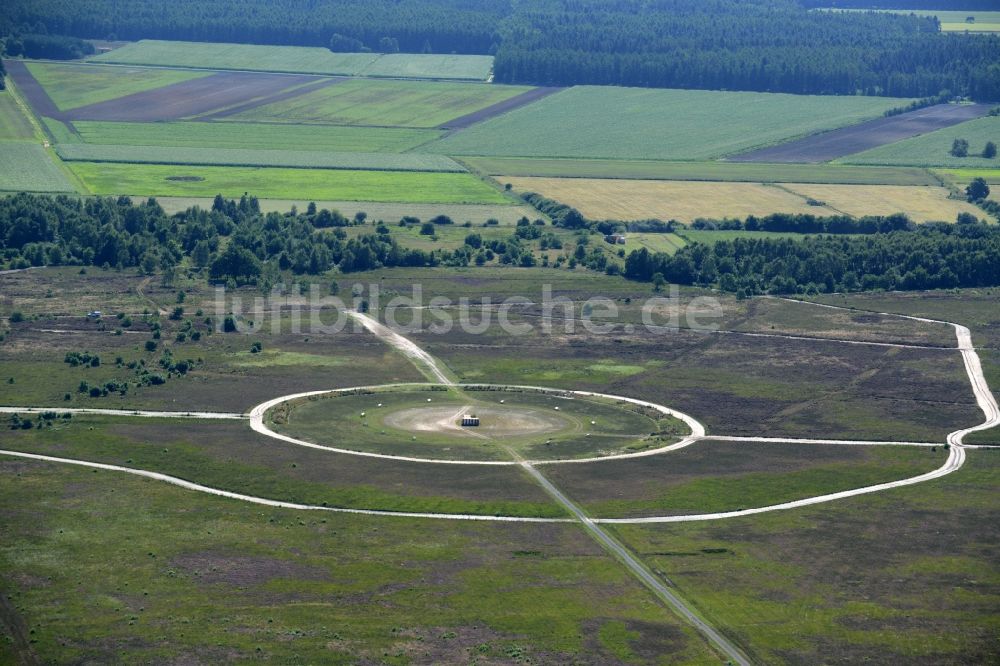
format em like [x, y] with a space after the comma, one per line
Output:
[431, 66]
[14, 126]
[252, 136]
[73, 86]
[318, 184]
[306, 159]
[666, 243]
[934, 149]
[28, 167]
[427, 423]
[303, 60]
[745, 172]
[383, 103]
[608, 122]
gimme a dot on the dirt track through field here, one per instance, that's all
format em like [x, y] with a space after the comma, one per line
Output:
[865, 136]
[191, 98]
[499, 108]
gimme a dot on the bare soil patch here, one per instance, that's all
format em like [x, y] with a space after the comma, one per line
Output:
[865, 136]
[494, 422]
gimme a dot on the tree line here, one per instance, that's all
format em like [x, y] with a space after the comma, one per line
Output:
[758, 45]
[443, 26]
[933, 256]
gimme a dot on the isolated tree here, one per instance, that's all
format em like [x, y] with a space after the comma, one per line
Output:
[960, 148]
[388, 45]
[977, 190]
[658, 281]
[990, 151]
[341, 44]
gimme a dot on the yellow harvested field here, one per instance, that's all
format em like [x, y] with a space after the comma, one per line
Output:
[684, 201]
[922, 204]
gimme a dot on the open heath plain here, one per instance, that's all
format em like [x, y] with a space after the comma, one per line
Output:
[364, 358]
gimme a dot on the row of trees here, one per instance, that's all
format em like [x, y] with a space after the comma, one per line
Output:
[935, 256]
[765, 45]
[37, 230]
[960, 148]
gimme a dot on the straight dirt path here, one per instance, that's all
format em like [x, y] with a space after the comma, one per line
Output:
[612, 545]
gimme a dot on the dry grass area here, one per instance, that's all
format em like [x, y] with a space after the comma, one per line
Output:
[684, 201]
[922, 204]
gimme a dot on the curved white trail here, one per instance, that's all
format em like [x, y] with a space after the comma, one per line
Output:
[278, 504]
[142, 413]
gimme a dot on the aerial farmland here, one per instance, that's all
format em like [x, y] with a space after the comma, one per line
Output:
[460, 332]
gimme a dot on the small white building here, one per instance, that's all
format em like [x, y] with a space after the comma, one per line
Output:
[470, 421]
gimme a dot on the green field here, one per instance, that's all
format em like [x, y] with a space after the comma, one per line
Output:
[934, 149]
[13, 125]
[665, 243]
[707, 171]
[304, 60]
[418, 104]
[319, 184]
[624, 123]
[251, 136]
[72, 86]
[27, 167]
[307, 159]
[965, 176]
[430, 66]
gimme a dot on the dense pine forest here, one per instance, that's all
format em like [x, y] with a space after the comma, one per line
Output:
[760, 45]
